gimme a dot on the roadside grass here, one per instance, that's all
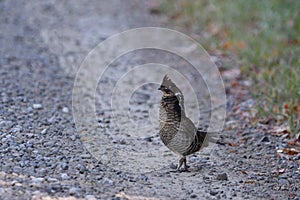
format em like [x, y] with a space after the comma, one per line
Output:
[265, 35]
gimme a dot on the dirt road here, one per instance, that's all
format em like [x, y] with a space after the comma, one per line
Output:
[44, 156]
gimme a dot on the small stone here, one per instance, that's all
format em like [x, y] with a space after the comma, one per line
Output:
[85, 156]
[222, 177]
[37, 179]
[74, 191]
[193, 159]
[29, 110]
[37, 106]
[56, 187]
[173, 166]
[37, 182]
[73, 137]
[81, 168]
[122, 141]
[148, 139]
[90, 197]
[213, 192]
[193, 196]
[65, 110]
[16, 129]
[107, 181]
[16, 183]
[283, 182]
[30, 135]
[37, 194]
[144, 177]
[44, 131]
[64, 176]
[51, 119]
[265, 139]
[51, 179]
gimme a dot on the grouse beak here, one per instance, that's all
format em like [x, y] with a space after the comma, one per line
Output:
[159, 88]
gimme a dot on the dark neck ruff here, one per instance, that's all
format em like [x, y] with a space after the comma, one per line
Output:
[171, 105]
[172, 99]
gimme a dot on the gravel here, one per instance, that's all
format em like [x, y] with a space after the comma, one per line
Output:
[42, 155]
[222, 177]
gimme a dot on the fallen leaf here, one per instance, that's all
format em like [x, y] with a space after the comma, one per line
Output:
[279, 131]
[241, 44]
[292, 41]
[294, 142]
[291, 151]
[228, 45]
[251, 181]
[244, 172]
[261, 174]
[233, 144]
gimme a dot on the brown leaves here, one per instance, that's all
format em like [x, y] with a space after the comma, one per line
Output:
[289, 151]
[233, 144]
[234, 46]
[295, 109]
[279, 131]
[250, 181]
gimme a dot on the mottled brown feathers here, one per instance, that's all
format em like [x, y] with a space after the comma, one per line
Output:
[177, 131]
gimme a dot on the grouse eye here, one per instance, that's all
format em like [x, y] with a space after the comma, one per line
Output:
[167, 90]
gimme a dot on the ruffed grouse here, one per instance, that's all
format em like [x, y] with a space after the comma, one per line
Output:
[177, 131]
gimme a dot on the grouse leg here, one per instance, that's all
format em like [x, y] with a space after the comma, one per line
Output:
[182, 161]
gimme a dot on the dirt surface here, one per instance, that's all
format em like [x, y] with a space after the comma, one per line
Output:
[43, 155]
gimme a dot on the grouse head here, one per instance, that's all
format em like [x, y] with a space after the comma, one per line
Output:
[168, 87]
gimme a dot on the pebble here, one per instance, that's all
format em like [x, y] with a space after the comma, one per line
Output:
[64, 166]
[74, 191]
[37, 179]
[149, 139]
[222, 177]
[173, 166]
[213, 192]
[144, 177]
[265, 139]
[90, 197]
[85, 156]
[37, 106]
[37, 182]
[107, 181]
[51, 179]
[193, 159]
[37, 195]
[65, 176]
[73, 137]
[65, 110]
[16, 129]
[204, 160]
[16, 183]
[44, 131]
[283, 182]
[81, 168]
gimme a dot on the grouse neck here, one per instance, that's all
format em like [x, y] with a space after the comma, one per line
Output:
[170, 99]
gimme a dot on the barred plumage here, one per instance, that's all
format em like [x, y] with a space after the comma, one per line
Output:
[177, 131]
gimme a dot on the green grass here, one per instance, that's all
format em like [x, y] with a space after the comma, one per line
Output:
[265, 35]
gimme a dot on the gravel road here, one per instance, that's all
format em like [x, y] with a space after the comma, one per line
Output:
[43, 155]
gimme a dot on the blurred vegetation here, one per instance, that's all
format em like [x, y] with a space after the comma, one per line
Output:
[265, 35]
